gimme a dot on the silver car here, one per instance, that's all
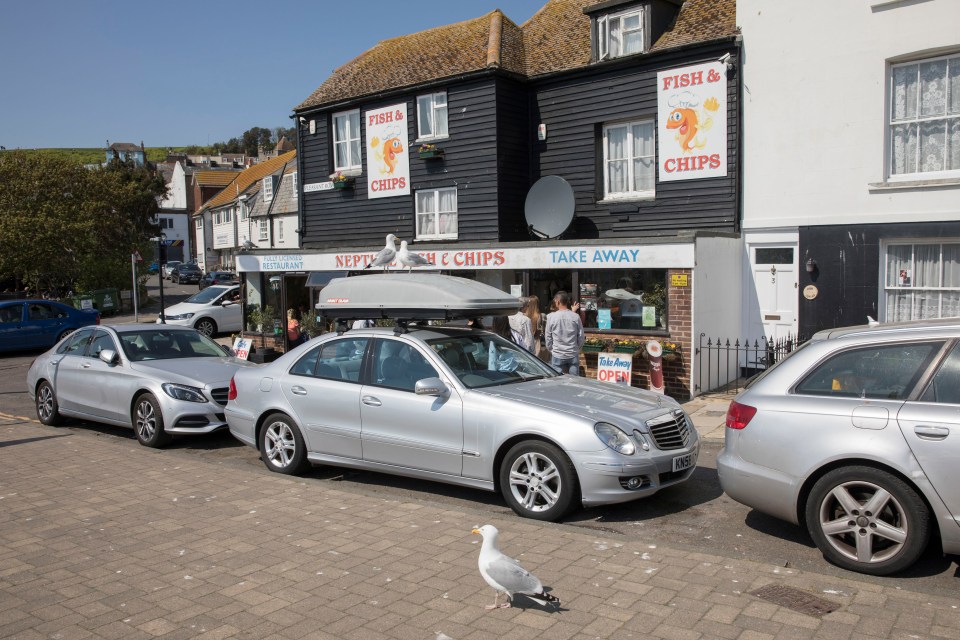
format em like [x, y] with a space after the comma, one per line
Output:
[465, 407]
[161, 380]
[857, 436]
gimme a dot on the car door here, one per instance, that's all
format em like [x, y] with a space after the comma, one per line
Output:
[231, 315]
[44, 324]
[68, 381]
[11, 325]
[323, 390]
[931, 426]
[402, 428]
[91, 384]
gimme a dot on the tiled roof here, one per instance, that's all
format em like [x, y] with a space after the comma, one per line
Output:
[556, 38]
[124, 146]
[437, 53]
[247, 177]
[215, 178]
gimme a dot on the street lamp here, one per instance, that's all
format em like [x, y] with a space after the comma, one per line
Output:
[160, 240]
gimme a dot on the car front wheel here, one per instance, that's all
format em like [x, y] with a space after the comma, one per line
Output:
[538, 481]
[281, 446]
[148, 422]
[206, 326]
[48, 411]
[867, 520]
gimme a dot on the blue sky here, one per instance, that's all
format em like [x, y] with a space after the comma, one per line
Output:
[77, 73]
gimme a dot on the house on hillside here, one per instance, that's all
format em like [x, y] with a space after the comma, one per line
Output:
[124, 151]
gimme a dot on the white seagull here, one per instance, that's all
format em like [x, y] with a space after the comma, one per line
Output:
[505, 574]
[386, 255]
[410, 259]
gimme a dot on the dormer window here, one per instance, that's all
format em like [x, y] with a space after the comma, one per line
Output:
[621, 34]
[268, 189]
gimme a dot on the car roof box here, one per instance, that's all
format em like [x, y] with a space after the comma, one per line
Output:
[420, 296]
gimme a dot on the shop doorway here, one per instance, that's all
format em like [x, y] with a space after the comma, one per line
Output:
[545, 283]
[296, 296]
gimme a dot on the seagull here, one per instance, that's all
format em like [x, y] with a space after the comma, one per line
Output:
[409, 259]
[386, 255]
[505, 574]
[871, 322]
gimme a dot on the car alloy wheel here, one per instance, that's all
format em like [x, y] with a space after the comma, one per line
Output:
[148, 422]
[538, 481]
[64, 334]
[206, 326]
[48, 411]
[281, 446]
[867, 520]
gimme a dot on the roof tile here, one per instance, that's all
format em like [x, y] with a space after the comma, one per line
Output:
[215, 178]
[248, 177]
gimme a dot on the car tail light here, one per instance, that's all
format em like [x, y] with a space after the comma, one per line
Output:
[232, 394]
[98, 318]
[739, 415]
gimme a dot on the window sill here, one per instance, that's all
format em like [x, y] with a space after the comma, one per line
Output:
[350, 173]
[653, 331]
[430, 139]
[434, 238]
[625, 199]
[895, 185]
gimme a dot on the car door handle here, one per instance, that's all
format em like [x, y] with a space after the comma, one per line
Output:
[297, 390]
[370, 401]
[85, 365]
[931, 433]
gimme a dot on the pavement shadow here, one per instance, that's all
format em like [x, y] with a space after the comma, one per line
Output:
[13, 443]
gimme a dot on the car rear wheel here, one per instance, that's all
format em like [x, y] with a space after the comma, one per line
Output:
[48, 411]
[64, 334]
[148, 422]
[867, 520]
[206, 326]
[281, 446]
[538, 481]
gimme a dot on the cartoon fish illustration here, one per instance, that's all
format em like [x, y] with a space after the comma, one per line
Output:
[387, 152]
[691, 122]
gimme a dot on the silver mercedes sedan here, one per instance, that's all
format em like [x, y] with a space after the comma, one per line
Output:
[466, 407]
[857, 436]
[160, 379]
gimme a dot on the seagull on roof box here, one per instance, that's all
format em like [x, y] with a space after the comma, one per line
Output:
[410, 259]
[386, 255]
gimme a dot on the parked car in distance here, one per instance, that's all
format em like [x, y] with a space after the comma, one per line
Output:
[168, 268]
[37, 324]
[856, 435]
[186, 273]
[215, 309]
[218, 277]
[161, 380]
[153, 267]
[456, 405]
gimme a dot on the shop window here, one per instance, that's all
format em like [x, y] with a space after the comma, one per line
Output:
[437, 214]
[629, 160]
[620, 34]
[925, 118]
[624, 300]
[346, 140]
[432, 116]
[922, 281]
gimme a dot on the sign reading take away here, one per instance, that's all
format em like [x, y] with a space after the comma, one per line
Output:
[615, 367]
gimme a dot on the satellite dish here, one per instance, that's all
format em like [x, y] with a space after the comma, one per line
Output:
[549, 207]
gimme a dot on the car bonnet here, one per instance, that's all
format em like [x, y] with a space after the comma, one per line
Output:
[197, 372]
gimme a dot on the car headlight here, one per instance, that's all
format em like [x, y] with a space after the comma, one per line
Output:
[614, 438]
[183, 392]
[180, 316]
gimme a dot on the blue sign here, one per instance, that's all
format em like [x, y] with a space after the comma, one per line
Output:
[604, 321]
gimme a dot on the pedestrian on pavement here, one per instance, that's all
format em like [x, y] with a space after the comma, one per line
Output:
[522, 327]
[564, 335]
[294, 337]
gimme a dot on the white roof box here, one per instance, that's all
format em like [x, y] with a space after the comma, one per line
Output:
[423, 296]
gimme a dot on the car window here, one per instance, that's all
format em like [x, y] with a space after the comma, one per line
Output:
[101, 340]
[399, 365]
[485, 359]
[205, 296]
[878, 371]
[76, 343]
[11, 313]
[334, 360]
[945, 385]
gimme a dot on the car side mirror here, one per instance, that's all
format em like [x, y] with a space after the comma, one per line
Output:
[109, 356]
[226, 303]
[431, 387]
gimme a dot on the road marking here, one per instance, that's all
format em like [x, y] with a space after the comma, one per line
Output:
[22, 418]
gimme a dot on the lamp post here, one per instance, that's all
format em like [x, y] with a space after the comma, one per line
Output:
[160, 240]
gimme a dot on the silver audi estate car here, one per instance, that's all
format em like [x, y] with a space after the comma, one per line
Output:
[457, 405]
[160, 379]
[856, 435]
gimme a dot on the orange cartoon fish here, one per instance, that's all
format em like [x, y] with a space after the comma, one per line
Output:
[688, 124]
[391, 148]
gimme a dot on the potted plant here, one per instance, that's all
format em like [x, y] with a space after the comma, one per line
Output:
[627, 346]
[671, 350]
[594, 345]
[341, 180]
[430, 151]
[260, 317]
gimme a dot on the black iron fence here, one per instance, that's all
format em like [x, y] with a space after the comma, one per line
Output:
[726, 365]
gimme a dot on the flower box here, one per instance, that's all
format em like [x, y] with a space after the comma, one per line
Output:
[624, 349]
[343, 184]
[593, 348]
[430, 153]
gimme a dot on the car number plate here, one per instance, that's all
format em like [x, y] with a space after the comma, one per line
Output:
[684, 462]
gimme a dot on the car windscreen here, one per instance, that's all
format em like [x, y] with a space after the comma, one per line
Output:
[486, 360]
[164, 344]
[206, 296]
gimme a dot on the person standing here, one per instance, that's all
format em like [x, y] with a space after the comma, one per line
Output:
[294, 337]
[564, 335]
[522, 326]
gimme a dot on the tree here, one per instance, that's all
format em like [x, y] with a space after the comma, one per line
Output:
[65, 227]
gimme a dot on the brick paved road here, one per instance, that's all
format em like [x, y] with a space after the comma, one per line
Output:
[102, 538]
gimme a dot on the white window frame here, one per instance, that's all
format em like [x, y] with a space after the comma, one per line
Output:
[264, 229]
[279, 229]
[293, 178]
[887, 289]
[604, 32]
[268, 189]
[227, 216]
[918, 120]
[436, 214]
[352, 163]
[630, 194]
[435, 106]
[198, 223]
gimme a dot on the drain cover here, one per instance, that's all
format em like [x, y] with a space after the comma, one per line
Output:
[795, 599]
[714, 414]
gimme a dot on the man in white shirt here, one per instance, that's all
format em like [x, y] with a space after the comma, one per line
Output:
[522, 326]
[564, 335]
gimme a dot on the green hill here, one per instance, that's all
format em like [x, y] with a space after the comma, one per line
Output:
[94, 155]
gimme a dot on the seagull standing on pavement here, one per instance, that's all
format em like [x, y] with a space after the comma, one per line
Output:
[505, 574]
[386, 255]
[410, 259]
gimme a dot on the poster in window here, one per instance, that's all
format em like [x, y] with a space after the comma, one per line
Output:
[692, 122]
[588, 296]
[604, 319]
[388, 159]
[904, 279]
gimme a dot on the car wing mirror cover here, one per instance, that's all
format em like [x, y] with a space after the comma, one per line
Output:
[109, 356]
[431, 387]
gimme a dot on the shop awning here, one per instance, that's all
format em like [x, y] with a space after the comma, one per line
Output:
[322, 278]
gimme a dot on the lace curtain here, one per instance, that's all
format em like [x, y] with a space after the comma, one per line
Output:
[922, 281]
[925, 117]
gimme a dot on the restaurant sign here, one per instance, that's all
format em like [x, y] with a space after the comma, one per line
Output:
[692, 122]
[388, 159]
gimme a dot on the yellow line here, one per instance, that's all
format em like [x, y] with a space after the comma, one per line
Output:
[23, 418]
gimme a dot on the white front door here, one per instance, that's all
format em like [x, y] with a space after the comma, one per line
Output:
[772, 309]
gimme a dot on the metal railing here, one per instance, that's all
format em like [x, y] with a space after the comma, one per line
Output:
[726, 365]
